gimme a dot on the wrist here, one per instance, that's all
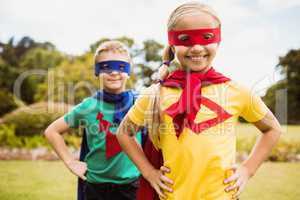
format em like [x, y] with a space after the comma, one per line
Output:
[68, 161]
[147, 172]
[250, 170]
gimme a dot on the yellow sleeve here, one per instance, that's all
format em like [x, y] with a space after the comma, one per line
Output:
[254, 108]
[137, 113]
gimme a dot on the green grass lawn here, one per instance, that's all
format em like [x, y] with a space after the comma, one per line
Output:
[36, 180]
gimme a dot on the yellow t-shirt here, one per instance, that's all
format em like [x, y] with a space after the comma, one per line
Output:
[199, 162]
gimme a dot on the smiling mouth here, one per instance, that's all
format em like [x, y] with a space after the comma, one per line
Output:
[114, 80]
[197, 58]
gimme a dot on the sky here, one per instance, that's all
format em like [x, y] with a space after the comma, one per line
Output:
[254, 33]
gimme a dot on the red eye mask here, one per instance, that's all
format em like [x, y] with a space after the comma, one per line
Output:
[196, 36]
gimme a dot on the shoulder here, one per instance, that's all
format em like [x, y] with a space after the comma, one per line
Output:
[235, 85]
[135, 94]
[148, 91]
[86, 104]
[89, 101]
[238, 87]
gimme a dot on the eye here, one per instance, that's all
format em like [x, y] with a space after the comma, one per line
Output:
[183, 37]
[208, 36]
[104, 66]
[122, 67]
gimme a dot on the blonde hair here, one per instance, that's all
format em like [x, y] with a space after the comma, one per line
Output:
[112, 46]
[189, 8]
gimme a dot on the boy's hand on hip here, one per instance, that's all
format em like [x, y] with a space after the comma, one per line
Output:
[159, 181]
[237, 181]
[78, 168]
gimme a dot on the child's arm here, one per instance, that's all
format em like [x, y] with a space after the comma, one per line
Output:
[271, 130]
[53, 135]
[155, 177]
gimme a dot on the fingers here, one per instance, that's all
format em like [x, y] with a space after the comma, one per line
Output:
[162, 184]
[165, 169]
[158, 191]
[83, 177]
[160, 187]
[235, 186]
[83, 172]
[79, 169]
[238, 192]
[232, 178]
[165, 179]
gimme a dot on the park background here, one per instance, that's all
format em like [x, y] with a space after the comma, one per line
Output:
[46, 67]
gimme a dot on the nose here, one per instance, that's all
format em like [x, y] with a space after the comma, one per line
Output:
[114, 72]
[197, 48]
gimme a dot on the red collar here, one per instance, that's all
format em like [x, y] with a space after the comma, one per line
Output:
[184, 111]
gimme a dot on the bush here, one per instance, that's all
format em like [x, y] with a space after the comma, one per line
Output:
[8, 137]
[286, 149]
[34, 119]
[7, 102]
[10, 140]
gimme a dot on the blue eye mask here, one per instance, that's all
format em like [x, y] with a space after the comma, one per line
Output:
[112, 65]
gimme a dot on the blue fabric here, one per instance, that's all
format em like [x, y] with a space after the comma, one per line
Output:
[112, 65]
[122, 102]
[84, 149]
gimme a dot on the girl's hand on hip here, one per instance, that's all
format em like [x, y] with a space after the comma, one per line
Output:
[237, 181]
[159, 181]
[78, 168]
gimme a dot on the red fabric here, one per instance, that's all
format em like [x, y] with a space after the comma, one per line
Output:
[145, 190]
[196, 36]
[222, 115]
[183, 113]
[112, 145]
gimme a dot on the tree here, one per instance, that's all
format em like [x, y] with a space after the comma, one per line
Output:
[66, 72]
[74, 78]
[149, 61]
[17, 58]
[69, 82]
[290, 69]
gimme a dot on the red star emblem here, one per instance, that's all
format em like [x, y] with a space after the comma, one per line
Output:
[197, 128]
[222, 115]
[112, 145]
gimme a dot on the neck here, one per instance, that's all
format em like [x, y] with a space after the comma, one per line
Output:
[205, 70]
[114, 91]
[202, 71]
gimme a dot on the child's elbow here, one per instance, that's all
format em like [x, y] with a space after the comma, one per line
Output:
[47, 132]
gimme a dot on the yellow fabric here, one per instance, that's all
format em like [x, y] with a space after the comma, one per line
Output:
[199, 163]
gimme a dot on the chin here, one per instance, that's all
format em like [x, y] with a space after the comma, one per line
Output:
[195, 67]
[113, 90]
